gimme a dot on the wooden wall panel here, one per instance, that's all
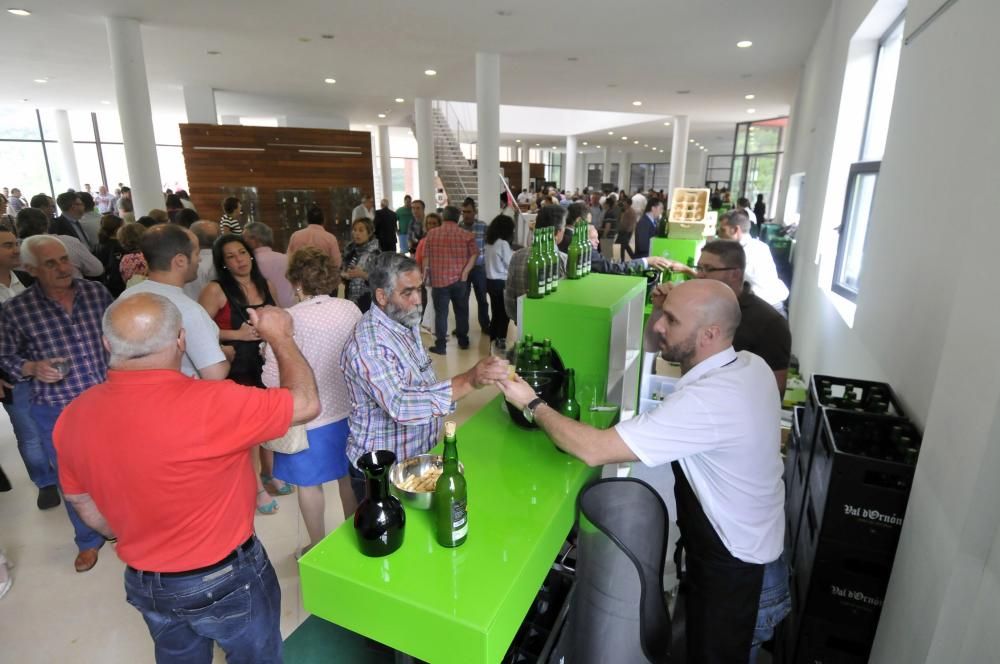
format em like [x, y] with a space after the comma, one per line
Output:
[512, 171]
[220, 157]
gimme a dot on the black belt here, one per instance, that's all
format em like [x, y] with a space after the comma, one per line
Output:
[207, 568]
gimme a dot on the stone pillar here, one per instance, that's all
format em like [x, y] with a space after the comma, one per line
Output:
[606, 166]
[678, 153]
[569, 166]
[385, 165]
[128, 67]
[70, 171]
[525, 165]
[488, 133]
[425, 151]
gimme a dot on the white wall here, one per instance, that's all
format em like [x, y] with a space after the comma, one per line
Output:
[927, 314]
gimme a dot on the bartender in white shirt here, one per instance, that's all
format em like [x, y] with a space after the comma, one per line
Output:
[761, 273]
[720, 432]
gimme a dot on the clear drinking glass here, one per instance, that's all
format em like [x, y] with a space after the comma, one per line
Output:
[61, 364]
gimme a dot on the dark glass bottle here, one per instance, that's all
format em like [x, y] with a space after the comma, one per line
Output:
[379, 520]
[554, 254]
[545, 356]
[536, 272]
[451, 495]
[573, 270]
[571, 407]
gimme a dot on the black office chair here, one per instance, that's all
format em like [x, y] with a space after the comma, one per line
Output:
[618, 612]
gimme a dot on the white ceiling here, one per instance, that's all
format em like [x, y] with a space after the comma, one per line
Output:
[562, 54]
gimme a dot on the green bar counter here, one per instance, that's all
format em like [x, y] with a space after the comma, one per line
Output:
[677, 250]
[462, 605]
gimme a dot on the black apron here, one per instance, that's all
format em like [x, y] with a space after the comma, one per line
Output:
[721, 592]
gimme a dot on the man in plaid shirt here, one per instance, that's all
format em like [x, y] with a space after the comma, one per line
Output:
[450, 253]
[477, 277]
[51, 334]
[398, 401]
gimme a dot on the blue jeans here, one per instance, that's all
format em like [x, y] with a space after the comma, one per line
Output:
[45, 417]
[237, 605]
[29, 442]
[477, 279]
[458, 294]
[775, 604]
[404, 242]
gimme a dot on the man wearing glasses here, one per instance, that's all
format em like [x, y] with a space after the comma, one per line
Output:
[762, 330]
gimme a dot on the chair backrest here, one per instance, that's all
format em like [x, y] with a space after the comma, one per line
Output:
[619, 612]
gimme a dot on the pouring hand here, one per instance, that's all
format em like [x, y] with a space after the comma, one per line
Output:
[517, 391]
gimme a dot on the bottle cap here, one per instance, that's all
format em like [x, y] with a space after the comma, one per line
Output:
[449, 429]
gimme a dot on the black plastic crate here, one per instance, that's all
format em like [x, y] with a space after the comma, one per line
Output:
[821, 642]
[795, 481]
[842, 584]
[861, 478]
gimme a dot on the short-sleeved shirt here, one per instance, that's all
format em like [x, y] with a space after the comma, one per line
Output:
[274, 266]
[762, 273]
[179, 493]
[478, 229]
[201, 334]
[449, 248]
[405, 216]
[229, 224]
[763, 331]
[721, 424]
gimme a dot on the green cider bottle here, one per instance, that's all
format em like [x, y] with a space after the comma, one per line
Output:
[543, 252]
[545, 356]
[536, 272]
[451, 496]
[554, 253]
[573, 270]
[586, 250]
[570, 407]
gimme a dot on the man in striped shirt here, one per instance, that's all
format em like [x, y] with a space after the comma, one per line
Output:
[398, 401]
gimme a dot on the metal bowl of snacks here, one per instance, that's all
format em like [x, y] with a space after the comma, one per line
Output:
[412, 480]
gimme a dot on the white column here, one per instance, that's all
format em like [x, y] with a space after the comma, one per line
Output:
[606, 166]
[385, 164]
[425, 151]
[199, 102]
[128, 67]
[70, 172]
[525, 166]
[678, 153]
[569, 166]
[624, 171]
[488, 133]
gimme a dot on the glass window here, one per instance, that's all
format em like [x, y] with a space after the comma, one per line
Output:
[761, 171]
[637, 176]
[741, 139]
[115, 165]
[19, 123]
[110, 127]
[763, 138]
[857, 212]
[81, 125]
[87, 165]
[172, 171]
[167, 130]
[883, 90]
[661, 177]
[22, 165]
[594, 174]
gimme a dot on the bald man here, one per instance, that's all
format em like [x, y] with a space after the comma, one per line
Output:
[720, 432]
[178, 491]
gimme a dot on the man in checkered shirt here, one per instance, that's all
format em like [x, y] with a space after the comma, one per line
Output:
[450, 253]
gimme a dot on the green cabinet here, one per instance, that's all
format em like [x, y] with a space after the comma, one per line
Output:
[595, 324]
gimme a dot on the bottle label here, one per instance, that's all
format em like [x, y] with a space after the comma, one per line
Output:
[459, 520]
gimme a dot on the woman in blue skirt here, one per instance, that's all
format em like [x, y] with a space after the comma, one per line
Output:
[323, 325]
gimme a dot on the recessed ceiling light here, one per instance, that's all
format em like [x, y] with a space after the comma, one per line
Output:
[635, 142]
[331, 81]
[666, 124]
[327, 36]
[746, 43]
[585, 142]
[751, 110]
[624, 138]
[399, 100]
[645, 145]
[213, 52]
[691, 140]
[430, 72]
[105, 101]
[518, 140]
[748, 97]
[554, 147]
[611, 133]
[538, 145]
[637, 103]
[41, 80]
[19, 12]
[27, 100]
[381, 115]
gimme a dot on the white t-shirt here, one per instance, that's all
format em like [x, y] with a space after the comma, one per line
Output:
[722, 424]
[761, 272]
[200, 331]
[498, 259]
[206, 273]
[524, 198]
[361, 212]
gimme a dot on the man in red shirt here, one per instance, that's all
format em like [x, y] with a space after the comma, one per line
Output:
[179, 492]
[450, 254]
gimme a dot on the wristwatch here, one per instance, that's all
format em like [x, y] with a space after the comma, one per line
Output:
[529, 410]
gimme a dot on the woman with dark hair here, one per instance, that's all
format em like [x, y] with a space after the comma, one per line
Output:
[239, 286]
[499, 238]
[358, 255]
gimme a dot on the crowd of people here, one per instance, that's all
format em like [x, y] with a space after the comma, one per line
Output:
[203, 324]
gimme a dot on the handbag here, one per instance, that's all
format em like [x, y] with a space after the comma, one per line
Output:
[295, 440]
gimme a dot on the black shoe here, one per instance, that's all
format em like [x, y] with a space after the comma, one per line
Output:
[4, 481]
[463, 343]
[48, 497]
[437, 350]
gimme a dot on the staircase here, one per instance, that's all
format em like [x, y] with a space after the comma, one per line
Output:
[457, 175]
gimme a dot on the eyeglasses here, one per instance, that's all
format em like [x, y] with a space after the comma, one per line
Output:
[707, 269]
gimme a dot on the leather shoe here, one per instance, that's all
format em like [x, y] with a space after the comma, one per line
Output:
[48, 497]
[85, 560]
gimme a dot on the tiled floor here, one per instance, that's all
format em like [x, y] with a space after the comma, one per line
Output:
[53, 614]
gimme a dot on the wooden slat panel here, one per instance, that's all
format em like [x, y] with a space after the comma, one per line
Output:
[279, 165]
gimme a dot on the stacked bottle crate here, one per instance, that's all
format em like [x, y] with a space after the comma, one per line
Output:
[848, 478]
